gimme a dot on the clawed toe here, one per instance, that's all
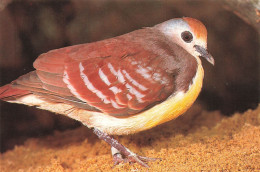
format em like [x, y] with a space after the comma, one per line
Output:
[118, 158]
[120, 153]
[131, 158]
[147, 159]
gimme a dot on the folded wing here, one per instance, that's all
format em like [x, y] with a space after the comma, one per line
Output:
[110, 76]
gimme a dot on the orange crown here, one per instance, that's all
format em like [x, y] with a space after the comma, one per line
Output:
[197, 27]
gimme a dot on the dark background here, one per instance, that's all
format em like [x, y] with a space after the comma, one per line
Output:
[29, 28]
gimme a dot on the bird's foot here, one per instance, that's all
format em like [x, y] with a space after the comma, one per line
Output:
[118, 157]
[120, 153]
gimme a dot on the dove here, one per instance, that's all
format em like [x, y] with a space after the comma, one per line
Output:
[121, 85]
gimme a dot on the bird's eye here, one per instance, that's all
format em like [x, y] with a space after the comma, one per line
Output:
[186, 36]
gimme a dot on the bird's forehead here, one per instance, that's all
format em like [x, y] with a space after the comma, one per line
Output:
[197, 28]
[185, 24]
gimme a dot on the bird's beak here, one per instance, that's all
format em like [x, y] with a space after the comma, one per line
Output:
[204, 53]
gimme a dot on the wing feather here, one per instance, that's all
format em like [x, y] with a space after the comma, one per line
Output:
[51, 78]
[118, 76]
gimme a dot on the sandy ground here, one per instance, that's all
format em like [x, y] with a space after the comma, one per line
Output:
[196, 141]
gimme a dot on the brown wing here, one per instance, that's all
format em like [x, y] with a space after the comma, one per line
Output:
[118, 86]
[117, 76]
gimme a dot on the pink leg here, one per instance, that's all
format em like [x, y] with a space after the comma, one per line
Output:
[120, 153]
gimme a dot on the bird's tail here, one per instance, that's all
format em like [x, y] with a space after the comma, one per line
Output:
[8, 93]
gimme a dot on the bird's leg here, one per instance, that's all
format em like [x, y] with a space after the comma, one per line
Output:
[119, 151]
[117, 156]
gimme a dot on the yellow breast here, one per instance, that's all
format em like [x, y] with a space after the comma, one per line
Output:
[175, 105]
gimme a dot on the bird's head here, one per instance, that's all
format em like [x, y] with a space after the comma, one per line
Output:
[188, 33]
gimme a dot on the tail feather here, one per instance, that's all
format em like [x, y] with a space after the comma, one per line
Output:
[7, 93]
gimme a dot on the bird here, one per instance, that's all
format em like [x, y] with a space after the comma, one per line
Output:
[120, 85]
